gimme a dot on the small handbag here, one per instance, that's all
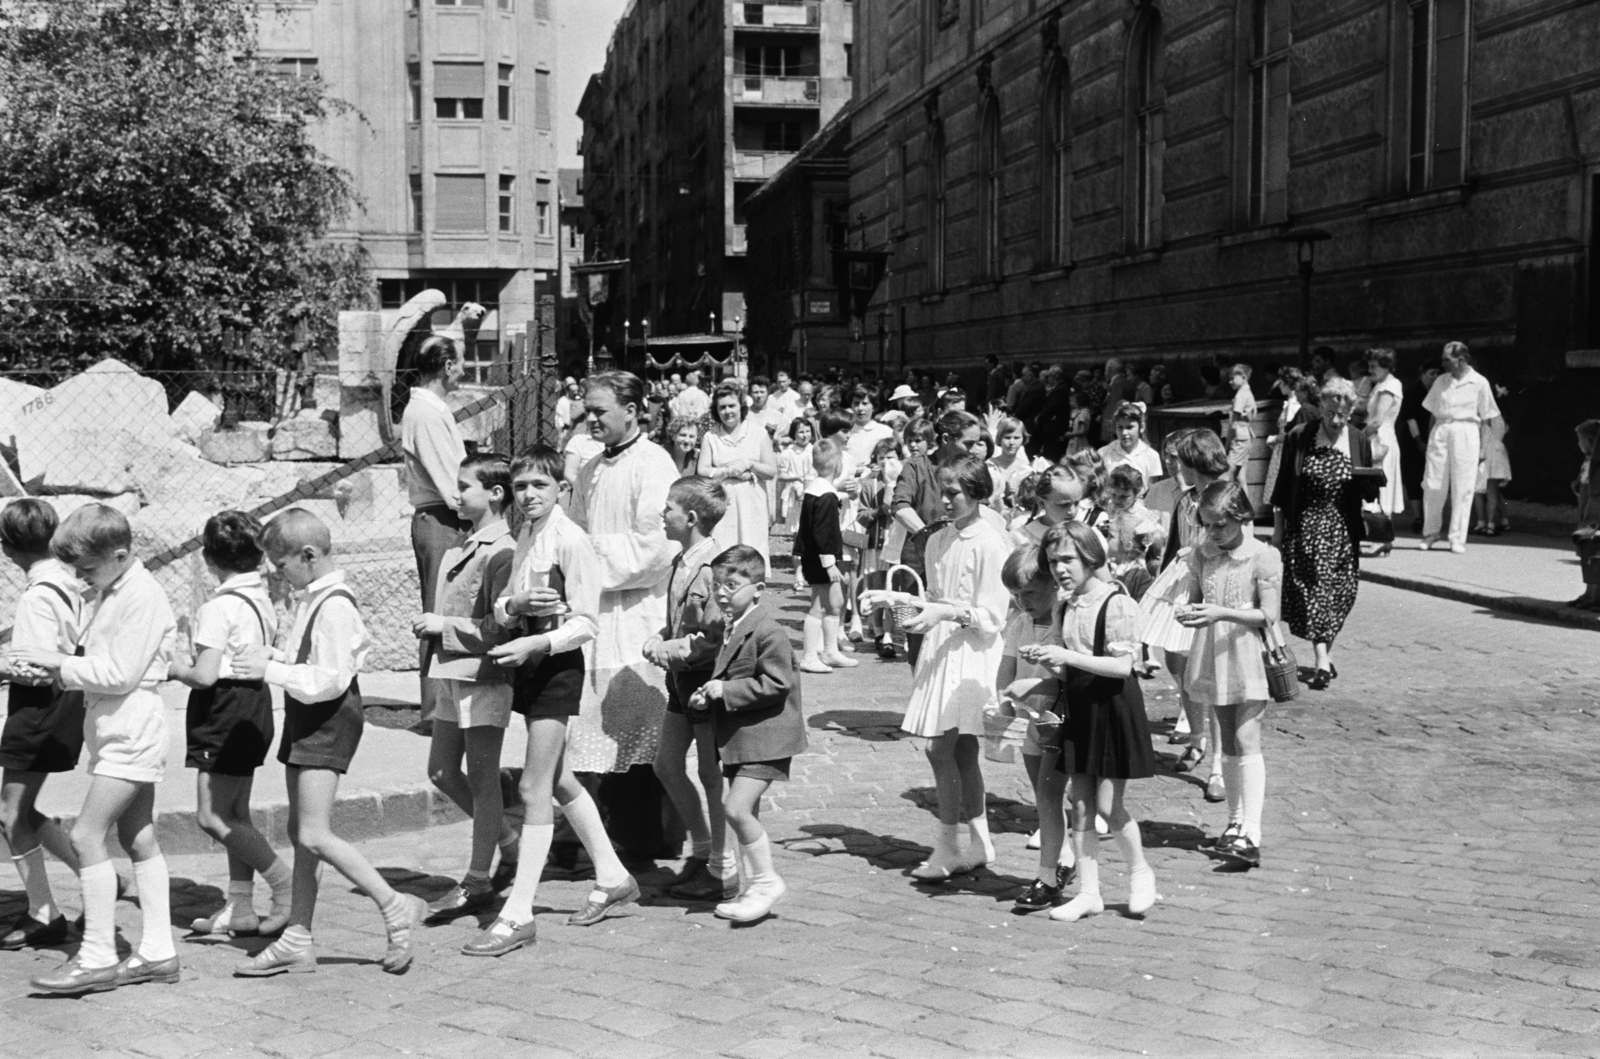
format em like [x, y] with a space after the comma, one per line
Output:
[1283, 672]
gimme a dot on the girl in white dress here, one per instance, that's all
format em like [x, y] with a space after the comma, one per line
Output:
[962, 617]
[738, 454]
[794, 473]
[1009, 465]
[1235, 583]
[1383, 411]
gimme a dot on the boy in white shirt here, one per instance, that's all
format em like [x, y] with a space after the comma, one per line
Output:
[125, 651]
[322, 723]
[44, 722]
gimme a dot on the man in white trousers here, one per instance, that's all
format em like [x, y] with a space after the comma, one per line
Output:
[1462, 405]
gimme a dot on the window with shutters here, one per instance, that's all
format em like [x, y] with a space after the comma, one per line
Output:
[1146, 139]
[458, 203]
[541, 100]
[1268, 113]
[503, 91]
[508, 203]
[1055, 170]
[989, 190]
[414, 91]
[458, 91]
[416, 202]
[1435, 42]
[542, 207]
[457, 3]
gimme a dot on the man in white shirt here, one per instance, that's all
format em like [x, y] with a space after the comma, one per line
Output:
[1462, 405]
[783, 399]
[693, 402]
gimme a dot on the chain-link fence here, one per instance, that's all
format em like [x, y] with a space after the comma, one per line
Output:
[168, 450]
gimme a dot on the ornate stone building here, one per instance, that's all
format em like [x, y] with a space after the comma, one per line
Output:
[1075, 179]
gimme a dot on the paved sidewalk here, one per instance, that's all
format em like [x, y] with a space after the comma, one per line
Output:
[1428, 890]
[1520, 573]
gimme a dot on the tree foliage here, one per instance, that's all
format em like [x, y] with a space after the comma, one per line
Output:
[161, 199]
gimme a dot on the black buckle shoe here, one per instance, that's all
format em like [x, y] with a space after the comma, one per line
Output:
[1039, 895]
[28, 933]
[1241, 849]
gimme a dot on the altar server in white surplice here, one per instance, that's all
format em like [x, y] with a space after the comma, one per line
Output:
[618, 498]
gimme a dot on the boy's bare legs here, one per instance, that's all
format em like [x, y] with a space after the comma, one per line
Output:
[477, 793]
[762, 884]
[222, 809]
[29, 834]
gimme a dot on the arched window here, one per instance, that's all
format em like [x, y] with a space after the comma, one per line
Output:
[1268, 185]
[989, 189]
[1145, 137]
[936, 208]
[1055, 176]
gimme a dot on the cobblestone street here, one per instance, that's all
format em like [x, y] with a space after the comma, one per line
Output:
[1428, 889]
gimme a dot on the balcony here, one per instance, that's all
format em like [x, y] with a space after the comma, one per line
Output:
[736, 240]
[759, 165]
[755, 90]
[777, 16]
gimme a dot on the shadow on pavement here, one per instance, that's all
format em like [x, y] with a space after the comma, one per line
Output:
[892, 854]
[872, 725]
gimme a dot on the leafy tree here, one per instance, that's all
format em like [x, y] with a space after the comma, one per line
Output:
[161, 200]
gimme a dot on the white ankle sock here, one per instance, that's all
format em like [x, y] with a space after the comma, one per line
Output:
[758, 857]
[535, 851]
[155, 908]
[584, 816]
[41, 902]
[1253, 793]
[978, 837]
[1230, 778]
[1087, 900]
[99, 882]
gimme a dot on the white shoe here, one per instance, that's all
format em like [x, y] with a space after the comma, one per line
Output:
[1458, 549]
[1142, 892]
[1079, 907]
[756, 901]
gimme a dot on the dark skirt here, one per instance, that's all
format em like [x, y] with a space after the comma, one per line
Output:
[1106, 734]
[553, 688]
[44, 729]
[229, 727]
[323, 735]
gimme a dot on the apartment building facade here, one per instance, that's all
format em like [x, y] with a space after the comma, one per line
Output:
[449, 145]
[1075, 179]
[700, 102]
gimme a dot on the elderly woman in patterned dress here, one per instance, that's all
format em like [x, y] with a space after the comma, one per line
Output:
[1322, 531]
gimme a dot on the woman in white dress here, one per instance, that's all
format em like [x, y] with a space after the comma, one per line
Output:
[1383, 412]
[739, 455]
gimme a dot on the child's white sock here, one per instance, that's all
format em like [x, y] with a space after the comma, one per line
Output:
[811, 638]
[99, 883]
[292, 942]
[155, 908]
[535, 843]
[945, 858]
[41, 902]
[1231, 779]
[978, 836]
[584, 816]
[1086, 902]
[1253, 794]
[1142, 880]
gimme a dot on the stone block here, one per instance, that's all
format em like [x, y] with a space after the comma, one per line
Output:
[361, 348]
[481, 427]
[15, 397]
[79, 460]
[195, 415]
[172, 474]
[81, 436]
[249, 442]
[353, 495]
[361, 419]
[312, 435]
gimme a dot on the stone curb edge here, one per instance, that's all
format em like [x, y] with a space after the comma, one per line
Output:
[1523, 606]
[357, 816]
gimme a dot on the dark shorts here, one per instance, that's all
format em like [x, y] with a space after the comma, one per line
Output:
[323, 735]
[44, 729]
[553, 688]
[229, 727]
[682, 685]
[777, 769]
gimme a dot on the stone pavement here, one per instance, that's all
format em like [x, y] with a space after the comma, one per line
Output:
[1533, 574]
[1428, 889]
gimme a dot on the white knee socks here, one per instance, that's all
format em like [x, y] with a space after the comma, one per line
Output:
[99, 883]
[1087, 901]
[1230, 779]
[41, 902]
[535, 843]
[155, 907]
[584, 816]
[1252, 770]
[978, 839]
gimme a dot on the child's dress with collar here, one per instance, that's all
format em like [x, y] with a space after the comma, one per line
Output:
[1225, 665]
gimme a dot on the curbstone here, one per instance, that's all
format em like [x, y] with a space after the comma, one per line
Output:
[1543, 609]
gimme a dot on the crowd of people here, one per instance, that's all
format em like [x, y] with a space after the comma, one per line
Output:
[615, 593]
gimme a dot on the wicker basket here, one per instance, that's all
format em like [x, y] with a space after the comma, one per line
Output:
[1003, 735]
[900, 613]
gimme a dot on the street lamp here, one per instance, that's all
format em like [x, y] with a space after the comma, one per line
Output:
[1305, 242]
